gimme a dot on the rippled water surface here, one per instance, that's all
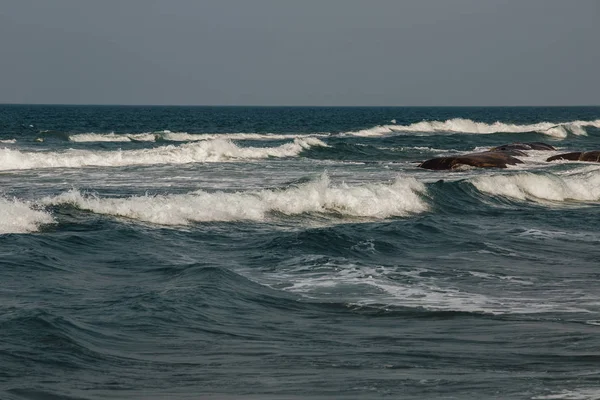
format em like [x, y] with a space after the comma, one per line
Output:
[233, 252]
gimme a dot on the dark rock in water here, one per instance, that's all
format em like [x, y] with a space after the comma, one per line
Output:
[487, 159]
[496, 157]
[591, 156]
[511, 152]
[523, 146]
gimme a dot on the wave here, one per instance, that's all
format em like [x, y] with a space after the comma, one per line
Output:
[19, 217]
[208, 151]
[169, 136]
[414, 289]
[8, 141]
[460, 125]
[183, 136]
[112, 137]
[581, 185]
[374, 201]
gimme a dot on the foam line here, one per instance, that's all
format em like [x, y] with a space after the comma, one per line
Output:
[580, 185]
[374, 201]
[169, 136]
[460, 125]
[207, 151]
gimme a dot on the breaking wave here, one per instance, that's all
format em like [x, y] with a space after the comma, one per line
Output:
[581, 185]
[19, 217]
[375, 201]
[207, 151]
[169, 136]
[460, 125]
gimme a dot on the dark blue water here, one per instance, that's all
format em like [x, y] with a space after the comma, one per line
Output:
[269, 253]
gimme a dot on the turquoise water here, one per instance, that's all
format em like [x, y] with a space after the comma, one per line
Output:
[260, 252]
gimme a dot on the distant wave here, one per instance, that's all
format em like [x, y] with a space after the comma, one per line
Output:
[375, 200]
[207, 151]
[112, 137]
[169, 136]
[578, 185]
[8, 141]
[460, 125]
[17, 216]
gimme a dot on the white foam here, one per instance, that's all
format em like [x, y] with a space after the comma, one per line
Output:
[573, 236]
[575, 394]
[378, 130]
[513, 279]
[169, 136]
[95, 137]
[374, 201]
[461, 125]
[17, 216]
[373, 287]
[186, 137]
[142, 137]
[582, 186]
[9, 141]
[207, 151]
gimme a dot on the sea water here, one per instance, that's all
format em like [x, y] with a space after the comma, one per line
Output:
[275, 253]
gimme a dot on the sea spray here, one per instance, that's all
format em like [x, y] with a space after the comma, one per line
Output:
[17, 216]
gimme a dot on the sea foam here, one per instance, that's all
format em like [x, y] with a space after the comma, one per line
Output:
[460, 125]
[581, 185]
[574, 394]
[207, 151]
[169, 136]
[339, 280]
[112, 137]
[372, 201]
[17, 216]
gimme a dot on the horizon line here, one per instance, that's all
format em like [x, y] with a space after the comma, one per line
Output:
[289, 106]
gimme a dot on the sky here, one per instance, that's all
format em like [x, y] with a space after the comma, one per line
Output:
[300, 52]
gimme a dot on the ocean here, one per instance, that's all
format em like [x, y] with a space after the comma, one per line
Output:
[296, 252]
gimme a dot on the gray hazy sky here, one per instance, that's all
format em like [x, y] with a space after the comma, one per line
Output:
[300, 52]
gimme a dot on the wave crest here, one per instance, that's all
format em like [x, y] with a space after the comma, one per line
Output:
[581, 186]
[19, 217]
[376, 201]
[169, 136]
[207, 151]
[461, 125]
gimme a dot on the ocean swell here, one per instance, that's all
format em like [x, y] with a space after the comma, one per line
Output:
[461, 125]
